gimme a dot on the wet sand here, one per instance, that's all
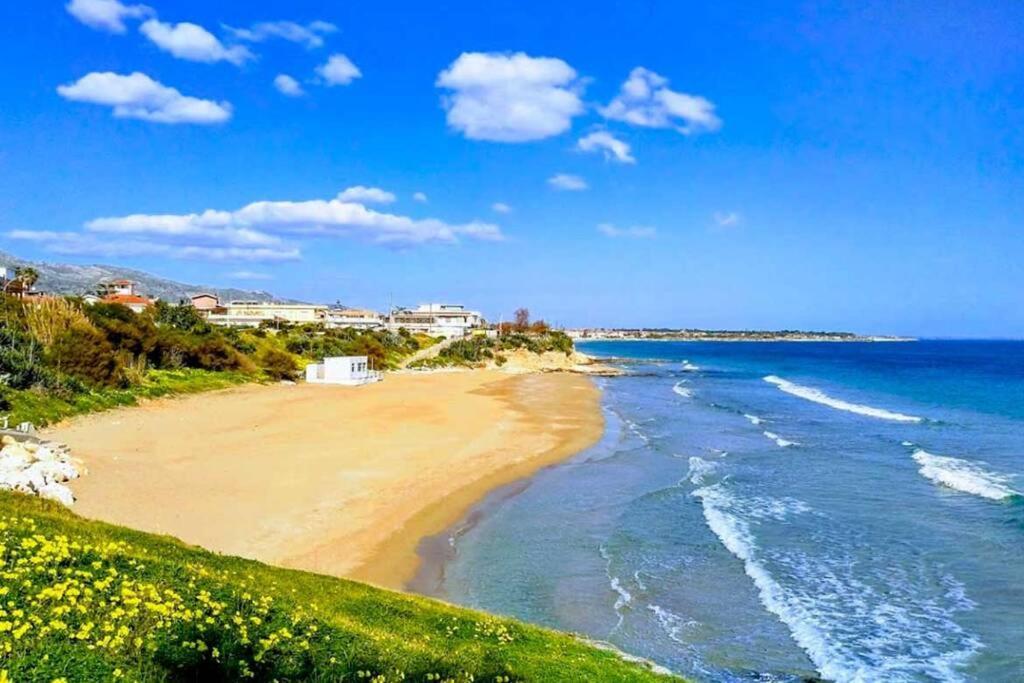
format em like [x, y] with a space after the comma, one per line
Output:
[340, 480]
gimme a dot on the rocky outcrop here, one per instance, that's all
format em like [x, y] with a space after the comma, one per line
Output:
[40, 469]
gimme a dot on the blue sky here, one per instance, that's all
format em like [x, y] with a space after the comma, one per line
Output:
[819, 165]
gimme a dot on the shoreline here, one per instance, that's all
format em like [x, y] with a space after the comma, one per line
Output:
[339, 480]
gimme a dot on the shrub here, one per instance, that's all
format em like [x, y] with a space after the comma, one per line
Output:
[84, 352]
[50, 318]
[278, 364]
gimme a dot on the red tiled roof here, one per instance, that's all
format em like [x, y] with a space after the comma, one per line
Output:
[126, 299]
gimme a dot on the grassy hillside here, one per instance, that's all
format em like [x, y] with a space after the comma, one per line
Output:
[86, 601]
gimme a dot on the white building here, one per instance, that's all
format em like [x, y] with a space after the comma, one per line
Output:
[359, 318]
[252, 313]
[437, 320]
[346, 370]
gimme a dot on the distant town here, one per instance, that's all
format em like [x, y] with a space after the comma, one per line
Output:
[447, 320]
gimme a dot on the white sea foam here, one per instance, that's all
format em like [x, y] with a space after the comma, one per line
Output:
[673, 624]
[681, 390]
[964, 476]
[690, 367]
[782, 443]
[754, 419]
[636, 431]
[624, 596]
[699, 468]
[818, 396]
[851, 632]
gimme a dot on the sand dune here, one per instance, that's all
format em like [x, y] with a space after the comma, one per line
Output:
[338, 480]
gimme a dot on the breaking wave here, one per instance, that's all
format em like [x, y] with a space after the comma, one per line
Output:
[679, 389]
[779, 441]
[754, 419]
[818, 396]
[851, 630]
[964, 476]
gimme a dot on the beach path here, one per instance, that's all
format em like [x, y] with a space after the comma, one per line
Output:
[338, 480]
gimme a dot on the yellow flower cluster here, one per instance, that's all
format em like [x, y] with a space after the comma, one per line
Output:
[91, 594]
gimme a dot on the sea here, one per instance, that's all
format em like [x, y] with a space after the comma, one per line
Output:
[778, 512]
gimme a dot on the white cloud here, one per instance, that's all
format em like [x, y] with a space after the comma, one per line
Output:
[339, 70]
[726, 219]
[287, 85]
[633, 232]
[420, 197]
[609, 145]
[106, 15]
[249, 275]
[501, 207]
[193, 43]
[645, 100]
[564, 181]
[82, 244]
[510, 97]
[137, 96]
[366, 195]
[311, 34]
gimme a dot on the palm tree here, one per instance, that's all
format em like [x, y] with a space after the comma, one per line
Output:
[28, 276]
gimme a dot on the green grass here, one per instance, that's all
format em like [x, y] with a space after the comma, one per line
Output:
[42, 408]
[86, 601]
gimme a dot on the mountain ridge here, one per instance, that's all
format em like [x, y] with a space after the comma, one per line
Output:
[66, 278]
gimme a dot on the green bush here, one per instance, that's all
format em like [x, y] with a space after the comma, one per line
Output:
[277, 364]
[84, 353]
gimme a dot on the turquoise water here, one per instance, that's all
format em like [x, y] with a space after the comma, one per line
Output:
[780, 511]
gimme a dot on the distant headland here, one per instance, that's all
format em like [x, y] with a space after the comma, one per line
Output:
[667, 334]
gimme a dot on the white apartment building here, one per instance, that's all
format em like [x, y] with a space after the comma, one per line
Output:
[359, 318]
[437, 320]
[253, 313]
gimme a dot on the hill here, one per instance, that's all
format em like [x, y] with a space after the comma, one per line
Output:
[87, 601]
[63, 278]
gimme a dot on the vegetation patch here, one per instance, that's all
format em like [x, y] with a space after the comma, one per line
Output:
[86, 601]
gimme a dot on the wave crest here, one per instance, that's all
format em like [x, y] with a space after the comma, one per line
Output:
[964, 476]
[818, 396]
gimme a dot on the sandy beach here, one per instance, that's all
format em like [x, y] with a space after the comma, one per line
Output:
[338, 480]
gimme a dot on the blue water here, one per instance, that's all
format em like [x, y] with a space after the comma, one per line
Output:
[855, 517]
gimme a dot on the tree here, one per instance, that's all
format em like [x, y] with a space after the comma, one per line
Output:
[522, 318]
[27, 276]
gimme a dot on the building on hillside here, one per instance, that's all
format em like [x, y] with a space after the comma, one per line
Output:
[118, 287]
[359, 318]
[122, 292]
[437, 320]
[205, 302]
[255, 313]
[345, 370]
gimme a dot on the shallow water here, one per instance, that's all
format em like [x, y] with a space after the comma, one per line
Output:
[776, 511]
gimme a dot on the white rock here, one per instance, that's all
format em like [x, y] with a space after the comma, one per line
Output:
[53, 472]
[58, 492]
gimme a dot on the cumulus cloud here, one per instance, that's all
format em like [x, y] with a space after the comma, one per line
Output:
[339, 70]
[311, 35]
[645, 100]
[137, 96]
[726, 219]
[420, 197]
[286, 85]
[510, 97]
[84, 244]
[366, 195]
[607, 144]
[106, 15]
[192, 42]
[632, 232]
[501, 207]
[565, 181]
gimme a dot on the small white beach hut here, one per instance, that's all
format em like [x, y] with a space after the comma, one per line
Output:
[347, 370]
